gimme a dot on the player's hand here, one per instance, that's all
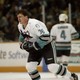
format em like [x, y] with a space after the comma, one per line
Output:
[26, 45]
[30, 46]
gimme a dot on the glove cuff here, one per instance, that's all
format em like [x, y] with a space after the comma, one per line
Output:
[36, 46]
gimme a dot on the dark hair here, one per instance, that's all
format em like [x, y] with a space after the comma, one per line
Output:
[24, 12]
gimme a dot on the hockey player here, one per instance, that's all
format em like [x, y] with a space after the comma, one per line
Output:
[34, 38]
[64, 33]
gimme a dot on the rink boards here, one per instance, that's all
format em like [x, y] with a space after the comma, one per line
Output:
[13, 59]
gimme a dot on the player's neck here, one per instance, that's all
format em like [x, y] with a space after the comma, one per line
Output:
[25, 23]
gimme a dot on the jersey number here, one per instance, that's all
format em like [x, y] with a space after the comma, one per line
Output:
[63, 35]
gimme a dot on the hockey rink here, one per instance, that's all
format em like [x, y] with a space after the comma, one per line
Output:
[14, 59]
[25, 76]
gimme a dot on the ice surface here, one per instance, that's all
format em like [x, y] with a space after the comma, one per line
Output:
[25, 76]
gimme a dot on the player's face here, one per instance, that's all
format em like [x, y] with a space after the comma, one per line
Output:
[22, 19]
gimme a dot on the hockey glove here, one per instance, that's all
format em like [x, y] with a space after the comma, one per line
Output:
[29, 46]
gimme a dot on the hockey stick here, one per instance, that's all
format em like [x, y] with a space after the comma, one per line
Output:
[54, 51]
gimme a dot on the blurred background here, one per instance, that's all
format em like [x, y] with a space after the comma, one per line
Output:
[44, 10]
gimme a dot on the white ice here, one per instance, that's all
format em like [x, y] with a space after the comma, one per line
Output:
[25, 76]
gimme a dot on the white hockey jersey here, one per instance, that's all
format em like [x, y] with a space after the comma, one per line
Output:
[63, 33]
[34, 29]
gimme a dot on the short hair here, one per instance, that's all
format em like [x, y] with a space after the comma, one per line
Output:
[24, 12]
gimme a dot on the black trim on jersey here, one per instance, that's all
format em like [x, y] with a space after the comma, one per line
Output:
[43, 37]
[74, 33]
[25, 35]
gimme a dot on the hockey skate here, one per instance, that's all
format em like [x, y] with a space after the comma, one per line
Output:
[74, 76]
